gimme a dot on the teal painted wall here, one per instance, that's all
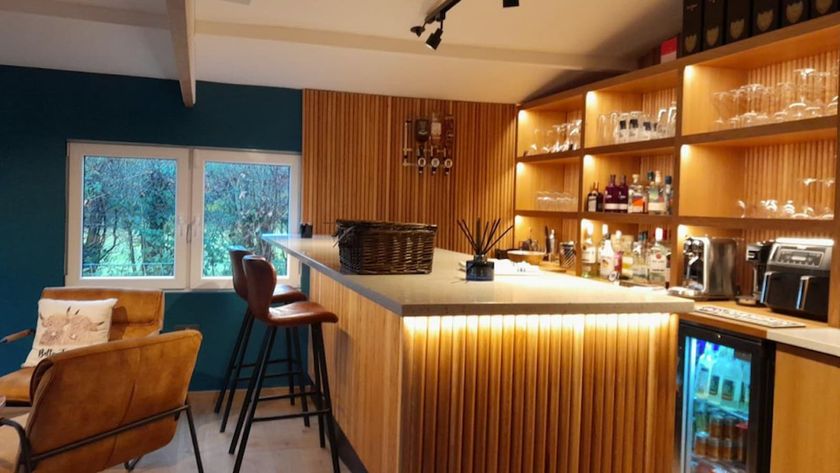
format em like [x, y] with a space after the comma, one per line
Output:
[40, 110]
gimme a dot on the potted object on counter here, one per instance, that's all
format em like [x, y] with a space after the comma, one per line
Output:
[482, 240]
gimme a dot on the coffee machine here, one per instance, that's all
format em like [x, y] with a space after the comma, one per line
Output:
[757, 256]
[708, 269]
[797, 277]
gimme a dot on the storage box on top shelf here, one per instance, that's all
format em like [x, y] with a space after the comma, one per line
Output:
[766, 16]
[795, 11]
[823, 7]
[714, 16]
[738, 20]
[692, 30]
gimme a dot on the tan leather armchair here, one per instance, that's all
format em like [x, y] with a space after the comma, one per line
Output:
[138, 313]
[104, 405]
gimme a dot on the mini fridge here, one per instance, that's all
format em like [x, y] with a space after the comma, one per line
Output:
[724, 402]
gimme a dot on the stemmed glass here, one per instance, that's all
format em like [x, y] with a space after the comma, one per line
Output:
[573, 134]
[802, 84]
[560, 141]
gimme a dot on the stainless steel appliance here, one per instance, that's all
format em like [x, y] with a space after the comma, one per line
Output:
[724, 401]
[797, 277]
[757, 256]
[708, 268]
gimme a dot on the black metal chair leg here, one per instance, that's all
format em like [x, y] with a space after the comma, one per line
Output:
[245, 402]
[252, 408]
[132, 464]
[319, 345]
[290, 366]
[318, 398]
[249, 323]
[226, 383]
[302, 368]
[194, 437]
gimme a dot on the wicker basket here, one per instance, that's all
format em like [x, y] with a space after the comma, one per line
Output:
[367, 247]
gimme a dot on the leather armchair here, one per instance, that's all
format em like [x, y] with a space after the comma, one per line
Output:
[104, 405]
[138, 313]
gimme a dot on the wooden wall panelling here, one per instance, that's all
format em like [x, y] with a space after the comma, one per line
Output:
[701, 166]
[352, 163]
[363, 372]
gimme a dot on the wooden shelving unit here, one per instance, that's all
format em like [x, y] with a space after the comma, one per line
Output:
[712, 170]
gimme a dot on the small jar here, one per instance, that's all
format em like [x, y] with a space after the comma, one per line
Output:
[716, 425]
[713, 448]
[726, 451]
[700, 441]
[729, 429]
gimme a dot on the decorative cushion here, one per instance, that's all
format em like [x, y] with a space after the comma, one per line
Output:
[64, 325]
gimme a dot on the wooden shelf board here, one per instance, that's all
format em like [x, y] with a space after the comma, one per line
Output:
[804, 39]
[564, 102]
[547, 214]
[649, 79]
[662, 145]
[564, 156]
[781, 224]
[637, 219]
[810, 129]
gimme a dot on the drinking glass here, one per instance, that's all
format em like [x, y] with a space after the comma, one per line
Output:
[802, 85]
[550, 140]
[662, 123]
[817, 86]
[560, 141]
[831, 107]
[633, 126]
[621, 133]
[605, 131]
[785, 94]
[537, 141]
[723, 104]
[573, 134]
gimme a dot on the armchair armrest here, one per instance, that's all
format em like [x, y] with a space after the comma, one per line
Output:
[25, 452]
[17, 336]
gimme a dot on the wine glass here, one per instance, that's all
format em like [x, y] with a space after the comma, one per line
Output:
[560, 141]
[785, 94]
[722, 102]
[573, 134]
[537, 141]
[817, 87]
[550, 140]
[802, 85]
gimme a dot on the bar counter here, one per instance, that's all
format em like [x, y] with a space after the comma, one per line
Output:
[547, 373]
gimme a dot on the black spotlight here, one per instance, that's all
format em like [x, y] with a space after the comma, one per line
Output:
[418, 30]
[510, 3]
[434, 39]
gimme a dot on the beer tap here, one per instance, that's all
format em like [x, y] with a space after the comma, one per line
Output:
[436, 143]
[406, 144]
[421, 135]
[448, 143]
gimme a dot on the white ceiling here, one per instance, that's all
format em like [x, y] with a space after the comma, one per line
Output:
[488, 53]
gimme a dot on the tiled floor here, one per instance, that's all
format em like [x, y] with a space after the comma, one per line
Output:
[274, 447]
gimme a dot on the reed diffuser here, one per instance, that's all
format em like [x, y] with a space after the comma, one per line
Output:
[482, 240]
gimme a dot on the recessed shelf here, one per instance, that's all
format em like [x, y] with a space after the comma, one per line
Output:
[547, 214]
[809, 129]
[637, 219]
[662, 145]
[785, 224]
[550, 157]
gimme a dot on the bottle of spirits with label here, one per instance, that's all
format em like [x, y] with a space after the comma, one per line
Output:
[658, 257]
[656, 200]
[611, 196]
[627, 257]
[595, 200]
[636, 197]
[623, 195]
[606, 255]
[668, 195]
[640, 271]
[618, 255]
[589, 267]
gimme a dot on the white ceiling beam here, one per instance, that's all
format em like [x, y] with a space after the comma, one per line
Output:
[77, 11]
[573, 62]
[182, 28]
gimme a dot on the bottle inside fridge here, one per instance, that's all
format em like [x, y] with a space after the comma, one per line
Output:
[717, 410]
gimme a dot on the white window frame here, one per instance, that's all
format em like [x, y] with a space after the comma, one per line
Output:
[189, 207]
[202, 157]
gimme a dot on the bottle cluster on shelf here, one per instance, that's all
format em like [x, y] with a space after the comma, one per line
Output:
[622, 257]
[721, 407]
[809, 93]
[654, 198]
[628, 127]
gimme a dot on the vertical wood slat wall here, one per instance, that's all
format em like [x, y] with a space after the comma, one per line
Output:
[352, 163]
[562, 393]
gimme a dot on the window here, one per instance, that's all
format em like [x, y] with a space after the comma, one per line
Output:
[147, 216]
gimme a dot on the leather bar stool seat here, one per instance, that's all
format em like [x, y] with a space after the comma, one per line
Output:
[299, 313]
[284, 294]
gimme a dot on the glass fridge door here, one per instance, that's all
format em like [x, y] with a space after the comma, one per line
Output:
[719, 422]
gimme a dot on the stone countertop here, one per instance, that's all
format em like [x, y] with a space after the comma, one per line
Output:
[446, 292]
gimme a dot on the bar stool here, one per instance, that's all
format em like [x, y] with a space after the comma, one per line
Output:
[282, 294]
[261, 278]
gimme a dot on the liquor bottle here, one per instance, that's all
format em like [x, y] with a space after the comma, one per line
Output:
[618, 255]
[606, 254]
[640, 271]
[658, 260]
[623, 195]
[668, 195]
[656, 201]
[627, 257]
[636, 197]
[589, 255]
[611, 196]
[595, 200]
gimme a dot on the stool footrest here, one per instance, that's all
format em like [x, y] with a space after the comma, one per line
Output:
[287, 396]
[285, 374]
[296, 415]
